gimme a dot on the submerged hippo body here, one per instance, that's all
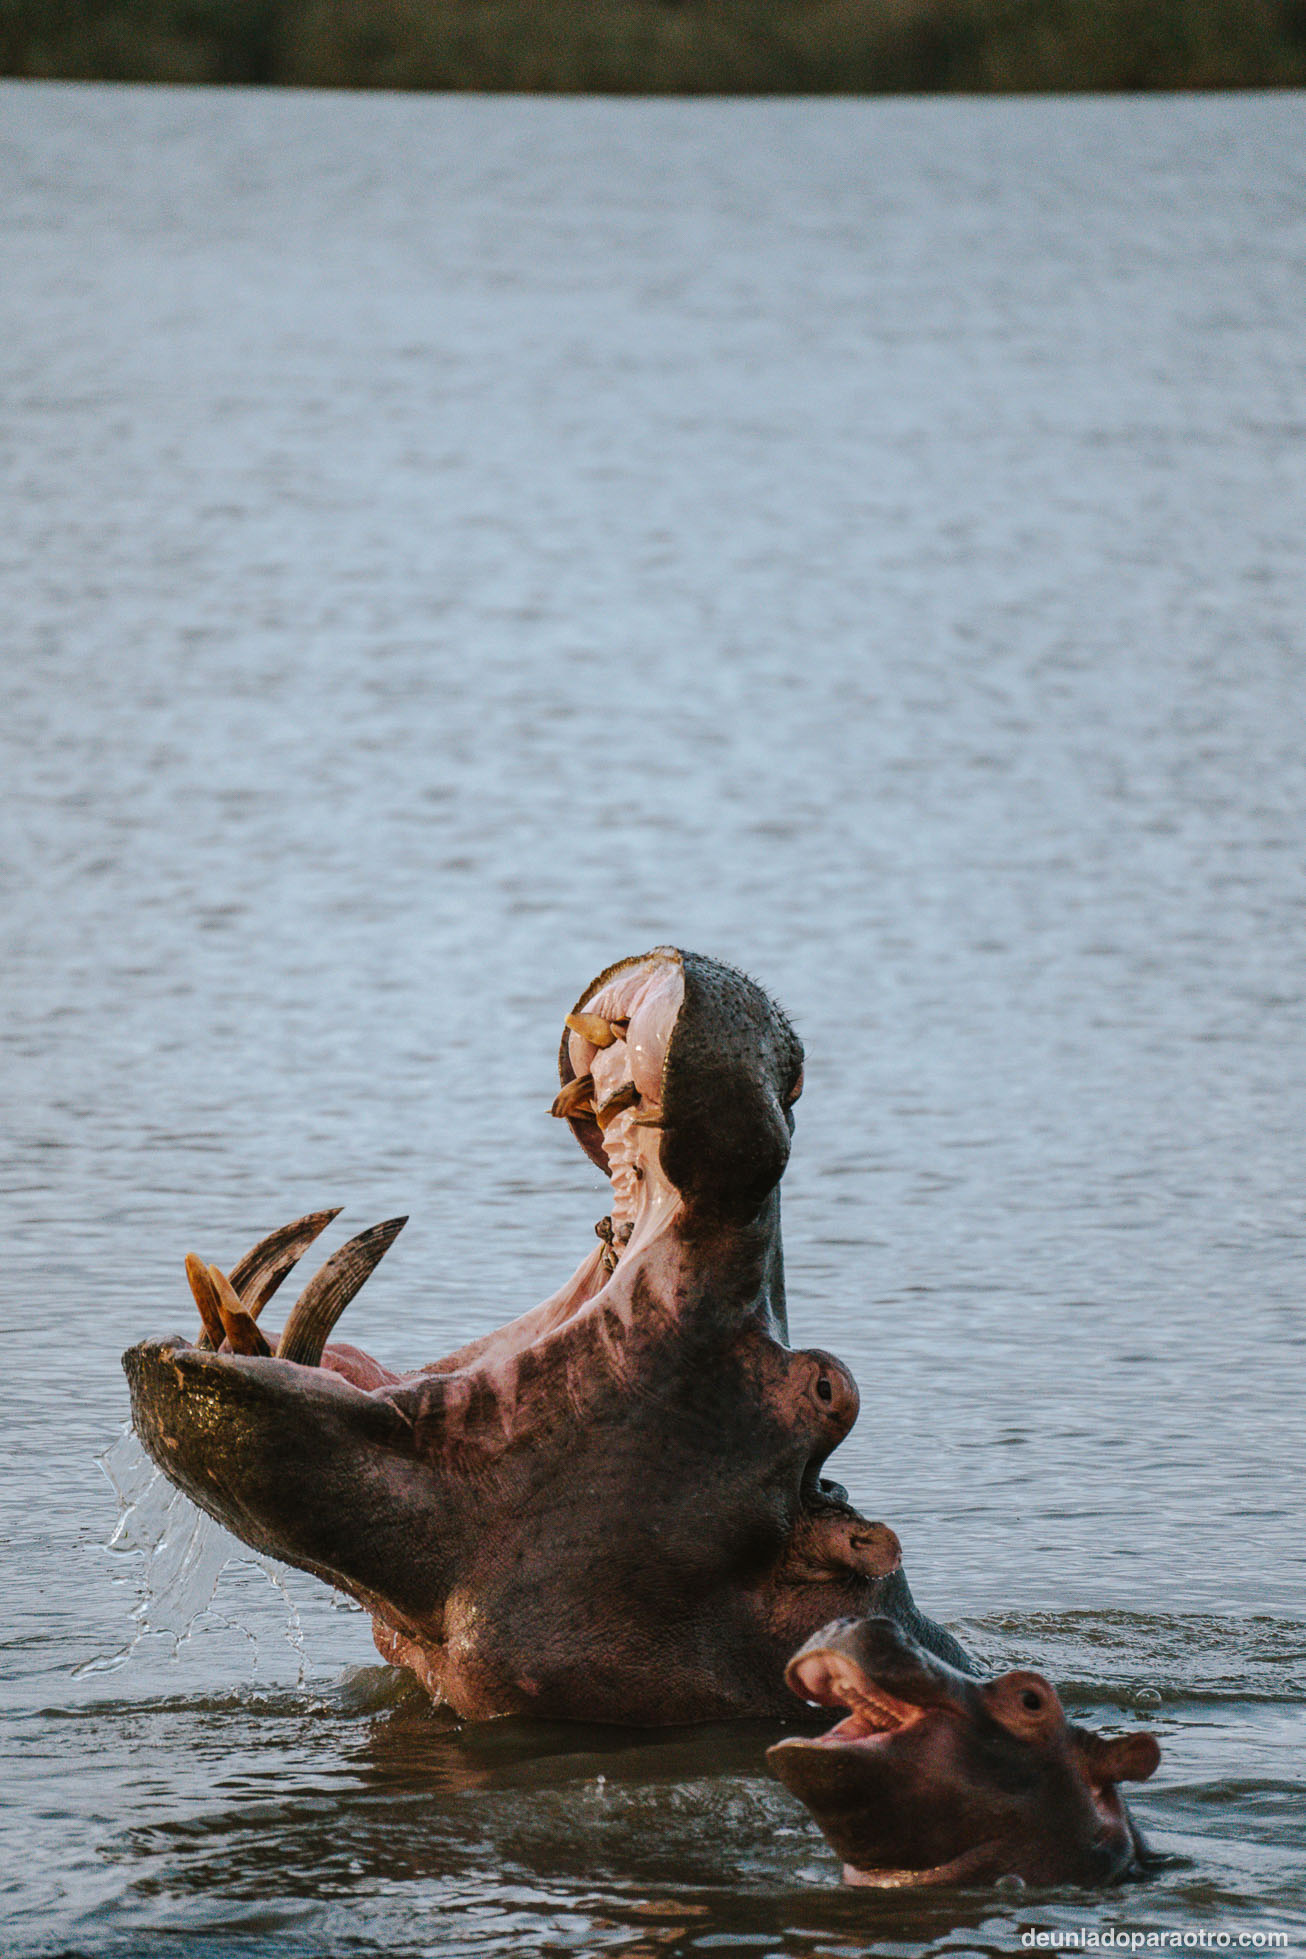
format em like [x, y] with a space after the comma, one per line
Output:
[610, 1508]
[936, 1777]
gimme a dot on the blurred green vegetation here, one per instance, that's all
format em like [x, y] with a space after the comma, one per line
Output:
[660, 47]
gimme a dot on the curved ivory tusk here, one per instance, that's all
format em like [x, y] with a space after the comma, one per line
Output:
[206, 1298]
[257, 1275]
[261, 1271]
[327, 1294]
[242, 1334]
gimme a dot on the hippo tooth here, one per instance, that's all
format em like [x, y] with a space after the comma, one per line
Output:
[592, 1028]
[256, 1277]
[206, 1298]
[576, 1099]
[262, 1270]
[621, 1098]
[237, 1324]
[329, 1291]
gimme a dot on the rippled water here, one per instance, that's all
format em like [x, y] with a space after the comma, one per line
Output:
[451, 544]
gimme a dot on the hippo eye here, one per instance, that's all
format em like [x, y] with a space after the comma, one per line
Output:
[1031, 1700]
[824, 1389]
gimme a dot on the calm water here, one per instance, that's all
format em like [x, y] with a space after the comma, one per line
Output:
[451, 544]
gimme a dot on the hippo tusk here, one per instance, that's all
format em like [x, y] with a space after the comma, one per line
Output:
[576, 1099]
[257, 1276]
[238, 1325]
[592, 1028]
[206, 1298]
[327, 1294]
[261, 1271]
[621, 1098]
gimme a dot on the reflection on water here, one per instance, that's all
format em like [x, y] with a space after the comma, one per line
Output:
[456, 543]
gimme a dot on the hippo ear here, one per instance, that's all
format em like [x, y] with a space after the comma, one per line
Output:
[1118, 1758]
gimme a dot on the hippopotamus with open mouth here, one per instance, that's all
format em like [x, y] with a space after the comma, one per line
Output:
[611, 1508]
[936, 1777]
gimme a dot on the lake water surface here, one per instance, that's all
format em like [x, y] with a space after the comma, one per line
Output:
[450, 544]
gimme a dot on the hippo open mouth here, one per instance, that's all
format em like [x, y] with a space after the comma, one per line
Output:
[611, 1507]
[936, 1777]
[831, 1679]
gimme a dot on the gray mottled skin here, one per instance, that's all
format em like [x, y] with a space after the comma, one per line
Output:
[625, 1522]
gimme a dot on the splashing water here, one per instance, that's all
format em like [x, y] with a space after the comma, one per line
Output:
[180, 1555]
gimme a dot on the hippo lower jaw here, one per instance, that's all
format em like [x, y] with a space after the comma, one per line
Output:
[299, 1463]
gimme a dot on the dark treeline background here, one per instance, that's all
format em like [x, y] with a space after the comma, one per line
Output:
[665, 46]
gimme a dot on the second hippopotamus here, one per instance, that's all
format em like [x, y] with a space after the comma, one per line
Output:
[938, 1777]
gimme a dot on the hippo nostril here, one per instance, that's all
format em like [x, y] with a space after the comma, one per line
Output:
[824, 1389]
[1031, 1700]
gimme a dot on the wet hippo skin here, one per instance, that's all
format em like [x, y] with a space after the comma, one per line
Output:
[936, 1777]
[611, 1508]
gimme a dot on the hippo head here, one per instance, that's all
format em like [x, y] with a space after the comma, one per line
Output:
[936, 1777]
[610, 1507]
